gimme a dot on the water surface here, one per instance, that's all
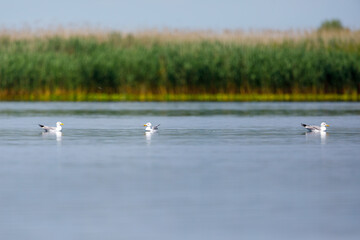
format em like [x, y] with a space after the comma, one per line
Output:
[213, 171]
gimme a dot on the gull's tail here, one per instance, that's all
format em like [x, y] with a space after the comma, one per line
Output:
[157, 126]
[41, 125]
[304, 125]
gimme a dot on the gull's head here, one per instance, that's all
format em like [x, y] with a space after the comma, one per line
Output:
[59, 124]
[323, 124]
[147, 125]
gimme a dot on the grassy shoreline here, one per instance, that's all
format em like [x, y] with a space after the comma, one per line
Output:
[183, 97]
[181, 66]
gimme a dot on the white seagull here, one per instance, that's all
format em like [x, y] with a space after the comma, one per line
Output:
[312, 128]
[58, 127]
[150, 128]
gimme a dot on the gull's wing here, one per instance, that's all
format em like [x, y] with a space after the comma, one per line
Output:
[46, 128]
[156, 127]
[311, 127]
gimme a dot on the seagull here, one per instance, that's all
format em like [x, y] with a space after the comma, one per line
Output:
[312, 128]
[58, 127]
[149, 127]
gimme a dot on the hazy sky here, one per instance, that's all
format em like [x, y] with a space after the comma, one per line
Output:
[179, 14]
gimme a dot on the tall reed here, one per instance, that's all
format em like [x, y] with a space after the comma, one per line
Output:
[179, 63]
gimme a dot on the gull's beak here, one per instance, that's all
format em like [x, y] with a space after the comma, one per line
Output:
[61, 124]
[145, 125]
[327, 125]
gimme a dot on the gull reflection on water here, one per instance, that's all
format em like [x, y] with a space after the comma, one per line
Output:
[315, 135]
[58, 135]
[148, 136]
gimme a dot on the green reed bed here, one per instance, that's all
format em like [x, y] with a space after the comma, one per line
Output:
[116, 67]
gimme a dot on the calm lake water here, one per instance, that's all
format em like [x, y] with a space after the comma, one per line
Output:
[213, 171]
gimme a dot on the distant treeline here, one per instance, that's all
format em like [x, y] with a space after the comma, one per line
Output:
[176, 63]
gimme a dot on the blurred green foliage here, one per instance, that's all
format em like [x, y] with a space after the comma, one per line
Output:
[130, 65]
[333, 24]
